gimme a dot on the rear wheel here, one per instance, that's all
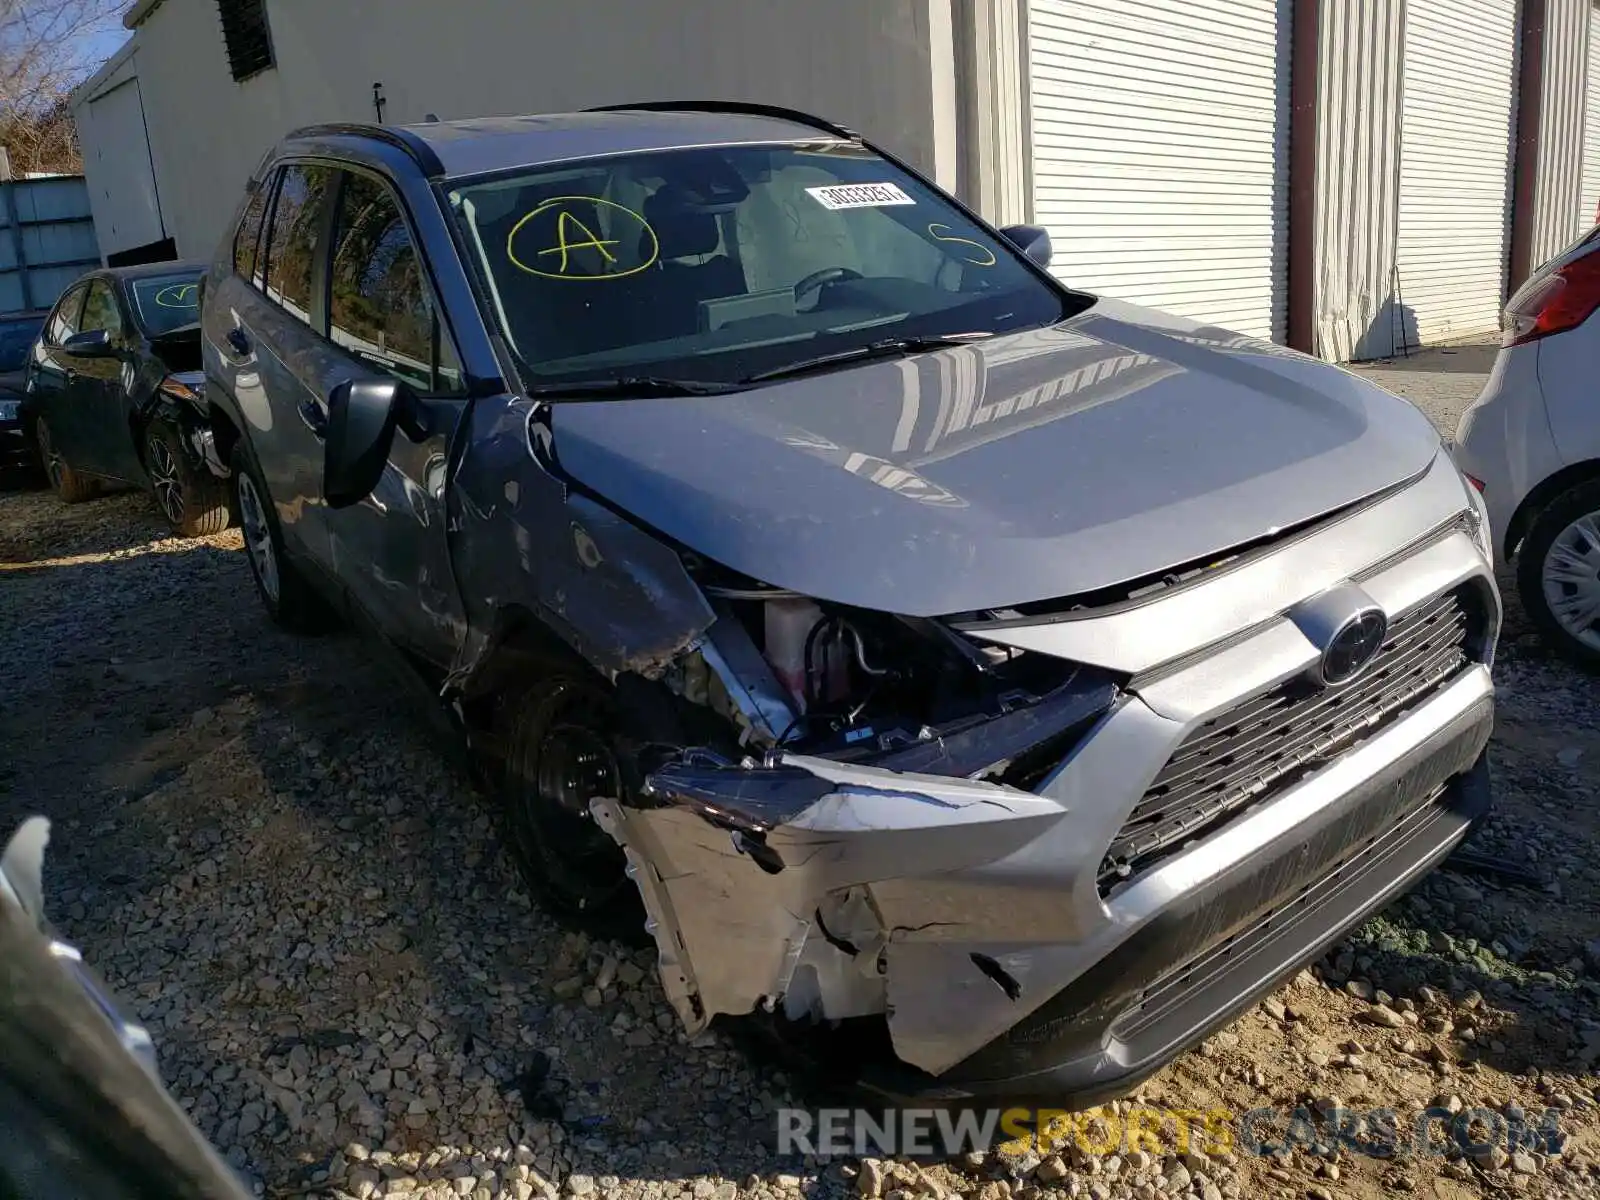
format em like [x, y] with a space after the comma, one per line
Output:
[1558, 574]
[565, 744]
[70, 486]
[288, 597]
[194, 502]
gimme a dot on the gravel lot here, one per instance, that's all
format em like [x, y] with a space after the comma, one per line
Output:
[271, 859]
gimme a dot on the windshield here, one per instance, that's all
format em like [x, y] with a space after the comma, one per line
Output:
[17, 335]
[166, 302]
[718, 265]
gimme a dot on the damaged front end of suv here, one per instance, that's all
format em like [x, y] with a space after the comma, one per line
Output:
[995, 685]
[1024, 850]
[1002, 683]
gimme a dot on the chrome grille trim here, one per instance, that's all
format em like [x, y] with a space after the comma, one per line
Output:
[1267, 742]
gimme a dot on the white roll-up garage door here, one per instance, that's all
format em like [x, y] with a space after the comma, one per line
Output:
[1160, 152]
[1589, 205]
[121, 177]
[1455, 166]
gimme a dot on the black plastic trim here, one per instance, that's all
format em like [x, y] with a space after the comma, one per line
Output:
[777, 112]
[401, 139]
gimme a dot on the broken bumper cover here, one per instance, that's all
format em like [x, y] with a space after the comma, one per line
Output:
[1154, 997]
[968, 913]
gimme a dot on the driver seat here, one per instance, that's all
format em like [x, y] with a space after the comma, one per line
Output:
[682, 234]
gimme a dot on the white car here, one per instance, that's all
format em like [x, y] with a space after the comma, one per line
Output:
[1531, 445]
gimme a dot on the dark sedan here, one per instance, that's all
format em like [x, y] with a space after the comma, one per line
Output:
[18, 331]
[116, 394]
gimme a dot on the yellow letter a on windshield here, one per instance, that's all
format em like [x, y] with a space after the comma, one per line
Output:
[564, 246]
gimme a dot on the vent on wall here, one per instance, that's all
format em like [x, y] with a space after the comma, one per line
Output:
[245, 33]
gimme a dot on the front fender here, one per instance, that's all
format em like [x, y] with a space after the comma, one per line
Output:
[522, 539]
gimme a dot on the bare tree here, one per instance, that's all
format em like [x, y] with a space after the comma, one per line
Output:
[46, 49]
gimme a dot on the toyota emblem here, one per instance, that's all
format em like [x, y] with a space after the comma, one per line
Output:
[1354, 646]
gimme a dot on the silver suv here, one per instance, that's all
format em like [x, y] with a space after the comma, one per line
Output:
[1009, 682]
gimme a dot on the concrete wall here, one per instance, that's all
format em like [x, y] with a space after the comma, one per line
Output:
[1360, 46]
[991, 38]
[1559, 184]
[885, 67]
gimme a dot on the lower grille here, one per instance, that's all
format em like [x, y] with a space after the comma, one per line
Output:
[1268, 742]
[1168, 993]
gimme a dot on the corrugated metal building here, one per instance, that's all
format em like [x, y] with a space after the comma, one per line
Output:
[46, 239]
[1351, 177]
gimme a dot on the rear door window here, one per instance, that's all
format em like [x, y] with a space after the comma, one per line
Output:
[297, 218]
[247, 238]
[380, 307]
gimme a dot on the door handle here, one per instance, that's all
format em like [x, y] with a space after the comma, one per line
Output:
[315, 419]
[238, 343]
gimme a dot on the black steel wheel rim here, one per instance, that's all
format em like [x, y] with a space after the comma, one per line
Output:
[574, 760]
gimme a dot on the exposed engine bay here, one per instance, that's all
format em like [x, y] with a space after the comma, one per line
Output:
[853, 685]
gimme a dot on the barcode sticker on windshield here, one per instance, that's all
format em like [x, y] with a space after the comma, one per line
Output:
[859, 195]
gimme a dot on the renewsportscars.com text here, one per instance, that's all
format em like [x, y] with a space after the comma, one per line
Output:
[1375, 1132]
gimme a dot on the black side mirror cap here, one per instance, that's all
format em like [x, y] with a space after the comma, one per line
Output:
[91, 343]
[362, 417]
[1032, 240]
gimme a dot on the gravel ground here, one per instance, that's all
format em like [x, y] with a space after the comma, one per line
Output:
[277, 867]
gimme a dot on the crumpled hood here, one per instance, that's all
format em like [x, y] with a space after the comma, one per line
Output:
[1027, 467]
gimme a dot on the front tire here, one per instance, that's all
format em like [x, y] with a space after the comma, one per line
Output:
[69, 486]
[564, 745]
[285, 593]
[1558, 575]
[194, 503]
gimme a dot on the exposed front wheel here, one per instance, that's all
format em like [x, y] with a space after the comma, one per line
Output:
[1558, 575]
[70, 486]
[289, 599]
[194, 502]
[564, 746]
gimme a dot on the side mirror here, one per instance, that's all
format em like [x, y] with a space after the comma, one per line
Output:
[1032, 240]
[362, 417]
[91, 343]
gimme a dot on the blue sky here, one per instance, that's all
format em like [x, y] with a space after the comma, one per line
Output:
[102, 44]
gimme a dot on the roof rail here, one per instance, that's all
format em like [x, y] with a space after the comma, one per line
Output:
[735, 106]
[402, 139]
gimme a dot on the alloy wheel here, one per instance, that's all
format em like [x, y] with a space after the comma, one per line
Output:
[258, 537]
[54, 464]
[165, 478]
[1570, 577]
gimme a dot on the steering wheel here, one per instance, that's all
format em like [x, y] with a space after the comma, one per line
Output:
[820, 279]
